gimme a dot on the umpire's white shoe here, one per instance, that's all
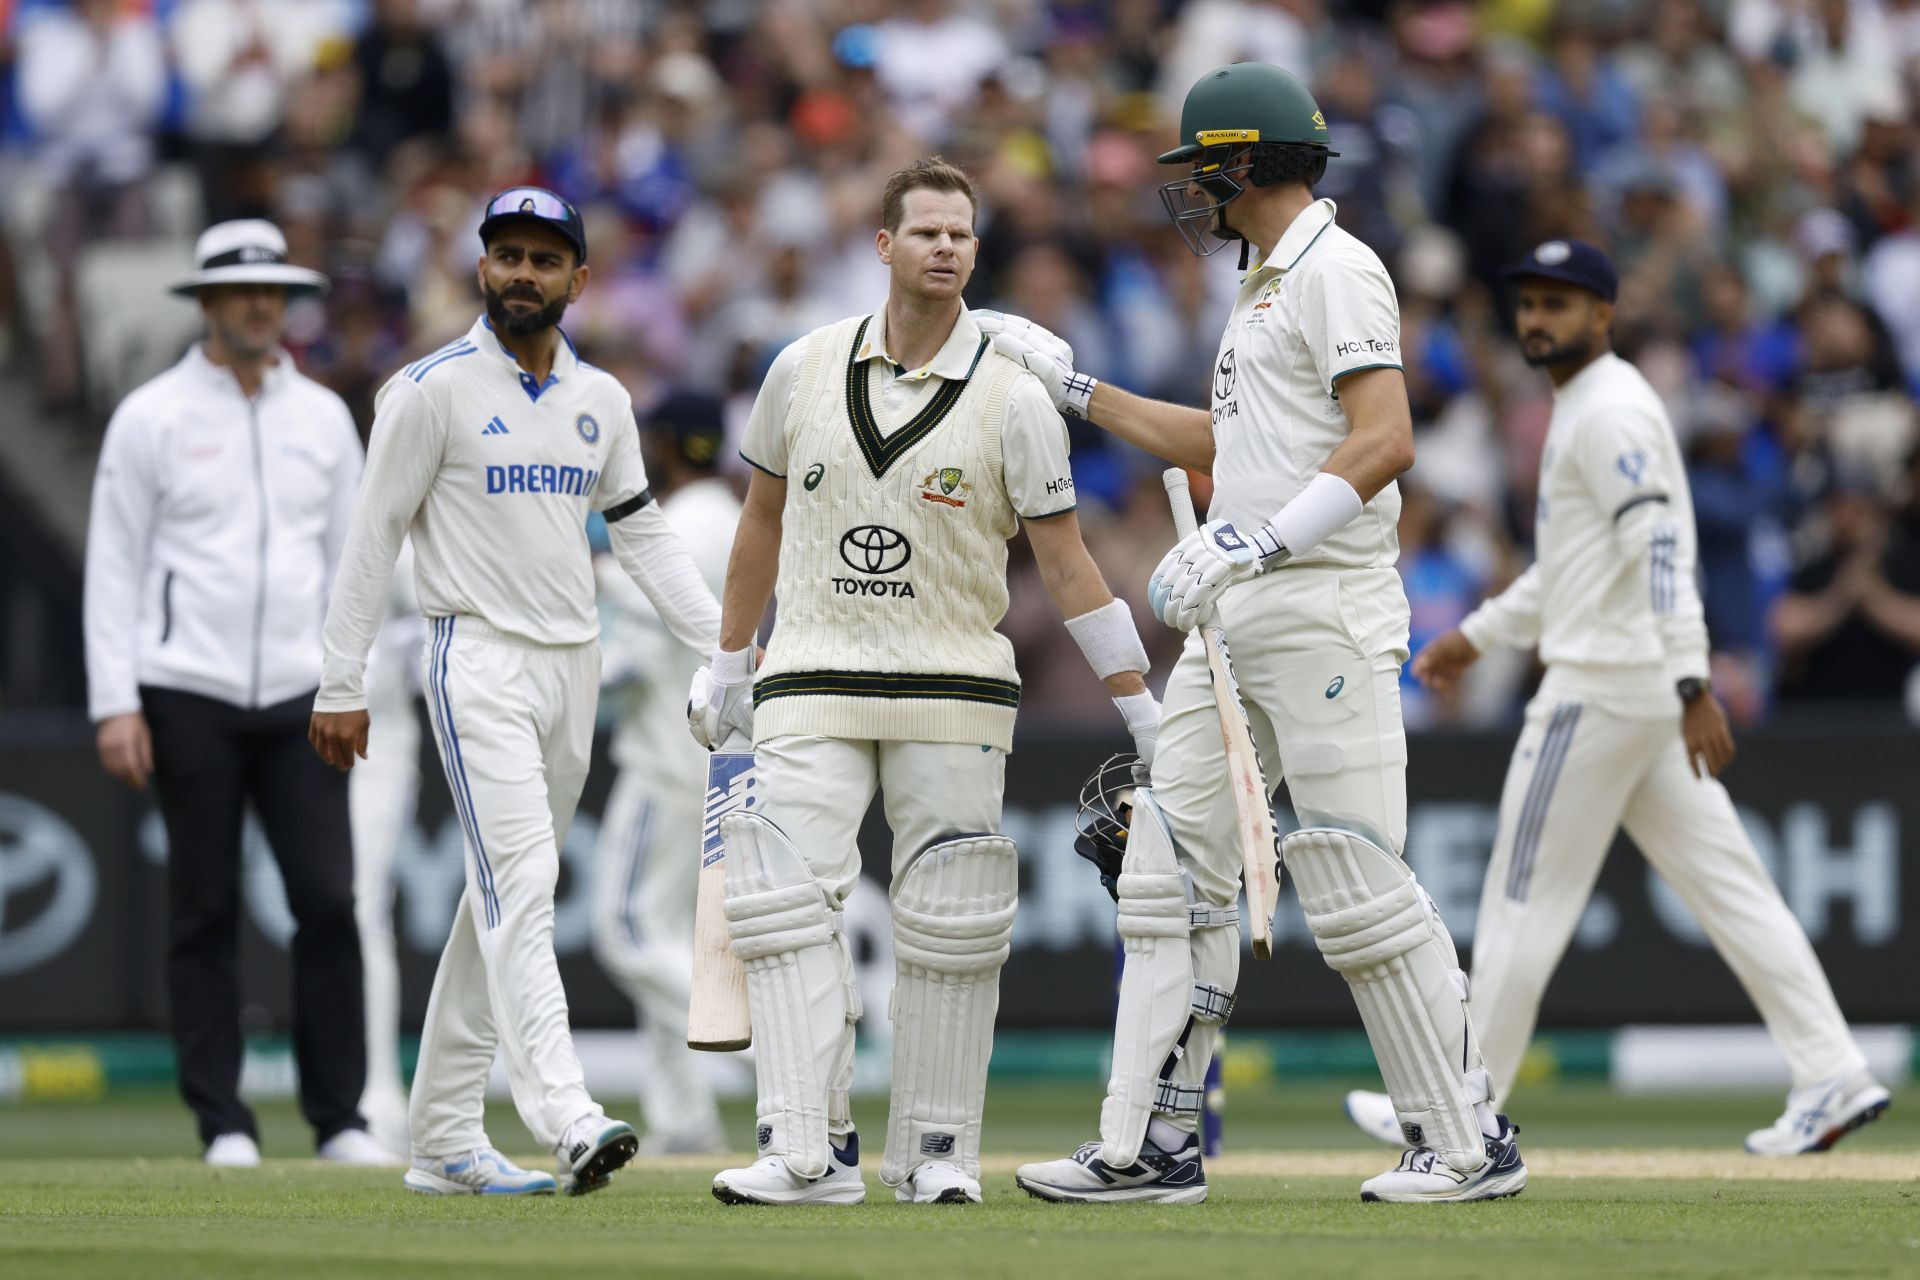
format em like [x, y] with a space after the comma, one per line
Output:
[1164, 1177]
[484, 1172]
[590, 1150]
[1820, 1115]
[233, 1151]
[768, 1180]
[1422, 1177]
[1373, 1114]
[938, 1182]
[356, 1146]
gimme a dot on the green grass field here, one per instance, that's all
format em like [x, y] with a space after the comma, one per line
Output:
[113, 1189]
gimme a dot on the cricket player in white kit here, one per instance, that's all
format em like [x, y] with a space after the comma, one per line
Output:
[918, 451]
[644, 870]
[1309, 426]
[490, 453]
[1624, 731]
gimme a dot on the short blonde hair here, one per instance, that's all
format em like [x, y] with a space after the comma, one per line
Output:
[929, 174]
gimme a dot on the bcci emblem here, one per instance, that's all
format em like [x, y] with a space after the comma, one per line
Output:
[588, 428]
[946, 486]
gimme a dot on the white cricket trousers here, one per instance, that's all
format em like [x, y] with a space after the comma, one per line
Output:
[817, 791]
[381, 795]
[1580, 773]
[514, 725]
[645, 872]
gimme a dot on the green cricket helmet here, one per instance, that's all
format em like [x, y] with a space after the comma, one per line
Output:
[1248, 122]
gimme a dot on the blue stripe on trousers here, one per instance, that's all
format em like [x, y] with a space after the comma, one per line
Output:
[1533, 814]
[456, 768]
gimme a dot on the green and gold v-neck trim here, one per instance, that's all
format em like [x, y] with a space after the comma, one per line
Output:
[879, 449]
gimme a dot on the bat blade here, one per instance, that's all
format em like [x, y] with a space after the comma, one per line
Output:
[717, 1015]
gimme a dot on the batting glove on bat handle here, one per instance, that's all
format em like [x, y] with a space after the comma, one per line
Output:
[1202, 565]
[720, 701]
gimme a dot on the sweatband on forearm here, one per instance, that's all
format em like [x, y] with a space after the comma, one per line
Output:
[732, 668]
[1109, 639]
[1327, 505]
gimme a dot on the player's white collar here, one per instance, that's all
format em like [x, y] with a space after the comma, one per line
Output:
[565, 358]
[1308, 226]
[953, 361]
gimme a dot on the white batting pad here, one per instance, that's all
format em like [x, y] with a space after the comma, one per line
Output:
[1162, 1006]
[1378, 929]
[786, 936]
[953, 912]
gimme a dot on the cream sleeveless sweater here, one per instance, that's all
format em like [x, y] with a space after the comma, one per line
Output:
[893, 559]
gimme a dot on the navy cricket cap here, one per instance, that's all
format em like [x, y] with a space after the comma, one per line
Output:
[534, 204]
[693, 425]
[1573, 261]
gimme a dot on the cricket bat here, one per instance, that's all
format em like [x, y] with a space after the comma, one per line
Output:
[717, 1015]
[1259, 856]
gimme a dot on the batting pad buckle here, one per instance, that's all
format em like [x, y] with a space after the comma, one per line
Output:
[1171, 1099]
[1213, 917]
[1211, 1003]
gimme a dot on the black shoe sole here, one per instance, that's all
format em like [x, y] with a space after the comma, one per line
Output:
[1368, 1197]
[597, 1172]
[727, 1195]
[953, 1195]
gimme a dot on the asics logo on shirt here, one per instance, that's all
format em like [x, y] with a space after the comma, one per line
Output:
[576, 482]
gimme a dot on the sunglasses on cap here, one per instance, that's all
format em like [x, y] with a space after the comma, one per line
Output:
[535, 204]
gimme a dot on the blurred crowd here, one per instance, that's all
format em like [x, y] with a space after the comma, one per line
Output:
[1749, 163]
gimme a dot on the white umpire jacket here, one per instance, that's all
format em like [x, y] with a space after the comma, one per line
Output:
[216, 526]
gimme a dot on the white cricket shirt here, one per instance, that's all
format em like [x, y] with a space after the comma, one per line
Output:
[493, 476]
[1610, 598]
[1320, 307]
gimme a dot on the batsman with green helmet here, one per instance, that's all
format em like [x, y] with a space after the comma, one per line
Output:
[1307, 430]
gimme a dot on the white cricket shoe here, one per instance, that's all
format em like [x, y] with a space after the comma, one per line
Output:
[768, 1180]
[591, 1149]
[938, 1182]
[233, 1151]
[1373, 1114]
[1422, 1177]
[1163, 1177]
[1819, 1116]
[484, 1172]
[356, 1146]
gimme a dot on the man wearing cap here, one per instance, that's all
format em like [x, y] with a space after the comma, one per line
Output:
[1308, 428]
[219, 511]
[1624, 731]
[490, 453]
[644, 870]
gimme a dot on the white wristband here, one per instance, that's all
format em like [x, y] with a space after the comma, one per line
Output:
[1109, 639]
[1327, 505]
[732, 668]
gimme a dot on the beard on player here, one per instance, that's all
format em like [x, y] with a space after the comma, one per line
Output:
[521, 324]
[1540, 350]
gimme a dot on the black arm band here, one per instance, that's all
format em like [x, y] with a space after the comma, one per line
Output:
[1631, 503]
[627, 508]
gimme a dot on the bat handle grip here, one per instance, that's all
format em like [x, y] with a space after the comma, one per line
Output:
[1175, 478]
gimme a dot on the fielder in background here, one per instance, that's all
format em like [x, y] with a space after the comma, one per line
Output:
[383, 793]
[646, 866]
[489, 454]
[895, 454]
[1309, 426]
[1624, 731]
[218, 517]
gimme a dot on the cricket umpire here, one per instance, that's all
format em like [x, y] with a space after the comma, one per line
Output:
[219, 512]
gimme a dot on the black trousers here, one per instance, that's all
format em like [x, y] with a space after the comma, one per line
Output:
[210, 759]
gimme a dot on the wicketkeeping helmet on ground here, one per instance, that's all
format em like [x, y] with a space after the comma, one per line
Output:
[1244, 123]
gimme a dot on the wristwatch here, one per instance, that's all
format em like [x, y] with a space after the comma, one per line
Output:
[1690, 688]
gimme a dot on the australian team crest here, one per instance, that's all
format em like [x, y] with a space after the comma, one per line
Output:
[946, 486]
[588, 428]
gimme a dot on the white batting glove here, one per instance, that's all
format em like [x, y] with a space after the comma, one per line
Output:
[1142, 714]
[720, 703]
[1192, 575]
[1045, 354]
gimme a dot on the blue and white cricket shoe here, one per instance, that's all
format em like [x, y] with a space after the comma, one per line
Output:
[591, 1149]
[1160, 1177]
[769, 1180]
[938, 1182]
[1422, 1177]
[477, 1173]
[1820, 1115]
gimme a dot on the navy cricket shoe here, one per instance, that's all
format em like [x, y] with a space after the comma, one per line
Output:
[1162, 1177]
